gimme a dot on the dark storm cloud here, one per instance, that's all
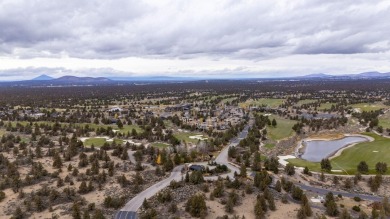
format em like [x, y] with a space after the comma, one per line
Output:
[186, 29]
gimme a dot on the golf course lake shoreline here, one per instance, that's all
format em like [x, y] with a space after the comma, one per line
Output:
[315, 150]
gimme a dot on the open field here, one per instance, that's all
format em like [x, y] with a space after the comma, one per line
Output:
[301, 102]
[168, 124]
[269, 146]
[325, 106]
[282, 130]
[124, 130]
[369, 106]
[371, 152]
[160, 145]
[185, 136]
[384, 120]
[129, 128]
[263, 102]
[228, 99]
[98, 142]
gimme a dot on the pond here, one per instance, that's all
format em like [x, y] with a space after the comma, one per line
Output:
[316, 150]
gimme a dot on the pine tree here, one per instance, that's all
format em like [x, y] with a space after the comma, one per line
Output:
[362, 167]
[18, 214]
[326, 165]
[145, 204]
[83, 188]
[289, 169]
[274, 124]
[76, 214]
[243, 171]
[86, 214]
[98, 214]
[259, 213]
[306, 206]
[301, 213]
[256, 164]
[386, 206]
[57, 162]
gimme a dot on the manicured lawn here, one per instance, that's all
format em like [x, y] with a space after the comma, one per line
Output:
[384, 120]
[160, 144]
[269, 146]
[168, 124]
[129, 128]
[301, 102]
[263, 102]
[282, 130]
[350, 157]
[185, 136]
[385, 123]
[98, 142]
[228, 100]
[325, 106]
[369, 106]
[124, 130]
[24, 123]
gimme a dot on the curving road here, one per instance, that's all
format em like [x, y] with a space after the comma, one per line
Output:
[131, 207]
[322, 191]
[129, 211]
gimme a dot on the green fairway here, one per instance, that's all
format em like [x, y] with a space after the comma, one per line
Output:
[228, 100]
[129, 128]
[98, 142]
[384, 120]
[269, 146]
[282, 130]
[385, 123]
[168, 124]
[325, 106]
[185, 136]
[371, 152]
[369, 106]
[160, 144]
[263, 102]
[301, 102]
[124, 130]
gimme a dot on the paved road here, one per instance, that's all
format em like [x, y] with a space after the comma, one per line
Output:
[222, 158]
[322, 191]
[137, 201]
[131, 207]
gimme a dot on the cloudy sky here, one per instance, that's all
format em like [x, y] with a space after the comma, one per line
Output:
[198, 38]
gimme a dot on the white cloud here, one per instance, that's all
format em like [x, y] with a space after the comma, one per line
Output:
[200, 37]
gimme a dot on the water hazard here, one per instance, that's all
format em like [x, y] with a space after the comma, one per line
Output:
[316, 150]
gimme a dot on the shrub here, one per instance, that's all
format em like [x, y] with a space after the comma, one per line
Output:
[356, 208]
[196, 206]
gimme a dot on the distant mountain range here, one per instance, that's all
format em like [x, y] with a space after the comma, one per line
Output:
[71, 79]
[367, 75]
[42, 78]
